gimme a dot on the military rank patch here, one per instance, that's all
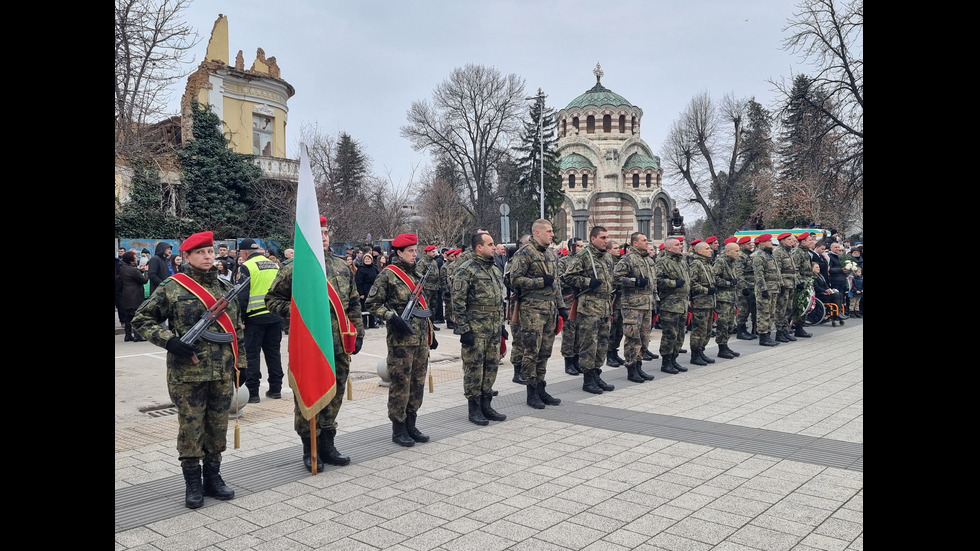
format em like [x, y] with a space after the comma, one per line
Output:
[373, 291]
[457, 285]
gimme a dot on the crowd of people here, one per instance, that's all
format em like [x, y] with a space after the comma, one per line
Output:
[599, 295]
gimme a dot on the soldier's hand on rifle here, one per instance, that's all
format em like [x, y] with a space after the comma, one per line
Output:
[765, 293]
[593, 283]
[563, 312]
[712, 290]
[467, 339]
[399, 326]
[799, 286]
[504, 333]
[435, 343]
[641, 281]
[548, 280]
[679, 282]
[358, 343]
[746, 292]
[180, 349]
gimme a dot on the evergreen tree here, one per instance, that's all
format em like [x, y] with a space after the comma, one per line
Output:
[350, 168]
[525, 195]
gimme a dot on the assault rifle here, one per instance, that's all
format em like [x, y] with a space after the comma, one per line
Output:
[200, 329]
[413, 302]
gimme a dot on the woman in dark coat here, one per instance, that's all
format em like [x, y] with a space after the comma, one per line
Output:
[133, 279]
[364, 279]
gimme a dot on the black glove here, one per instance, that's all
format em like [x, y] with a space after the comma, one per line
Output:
[467, 339]
[548, 280]
[746, 292]
[593, 283]
[733, 281]
[398, 325]
[641, 281]
[679, 282]
[765, 293]
[563, 312]
[504, 333]
[712, 290]
[358, 343]
[435, 343]
[179, 349]
[799, 286]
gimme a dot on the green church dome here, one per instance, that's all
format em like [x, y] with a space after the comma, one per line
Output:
[599, 95]
[574, 161]
[640, 161]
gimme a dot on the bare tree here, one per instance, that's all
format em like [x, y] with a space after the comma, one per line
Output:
[474, 116]
[443, 217]
[152, 45]
[388, 206]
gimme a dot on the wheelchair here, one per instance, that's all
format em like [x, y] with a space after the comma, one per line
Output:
[819, 312]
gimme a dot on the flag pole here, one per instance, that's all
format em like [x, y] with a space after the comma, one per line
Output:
[313, 440]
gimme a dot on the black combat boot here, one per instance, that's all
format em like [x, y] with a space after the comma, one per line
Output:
[193, 493]
[798, 331]
[632, 375]
[696, 358]
[476, 414]
[548, 399]
[214, 486]
[570, 366]
[588, 382]
[667, 366]
[488, 411]
[308, 455]
[606, 387]
[766, 340]
[519, 376]
[326, 449]
[647, 356]
[619, 359]
[414, 433]
[611, 360]
[677, 366]
[743, 334]
[781, 336]
[725, 352]
[706, 358]
[639, 371]
[533, 399]
[787, 334]
[399, 435]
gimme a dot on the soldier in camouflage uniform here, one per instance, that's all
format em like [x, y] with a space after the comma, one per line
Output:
[783, 254]
[279, 300]
[746, 291]
[590, 274]
[408, 342]
[534, 277]
[767, 280]
[447, 298]
[804, 277]
[726, 279]
[201, 378]
[569, 334]
[674, 288]
[432, 283]
[636, 276]
[703, 292]
[516, 350]
[478, 304]
[616, 326]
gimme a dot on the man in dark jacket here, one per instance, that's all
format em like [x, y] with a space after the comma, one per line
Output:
[159, 265]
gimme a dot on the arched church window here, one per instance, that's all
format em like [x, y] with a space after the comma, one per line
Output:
[606, 124]
[585, 181]
[636, 180]
[590, 125]
[571, 181]
[564, 129]
[575, 123]
[633, 124]
[658, 223]
[649, 180]
[622, 124]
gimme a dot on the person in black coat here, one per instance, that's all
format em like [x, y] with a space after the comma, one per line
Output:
[363, 280]
[828, 294]
[132, 280]
[158, 268]
[838, 274]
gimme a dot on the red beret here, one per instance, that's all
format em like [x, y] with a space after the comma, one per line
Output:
[695, 242]
[764, 237]
[429, 248]
[404, 240]
[784, 235]
[661, 247]
[731, 239]
[198, 240]
[803, 235]
[744, 239]
[323, 221]
[680, 238]
[711, 240]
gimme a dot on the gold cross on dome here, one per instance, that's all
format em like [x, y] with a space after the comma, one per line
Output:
[597, 72]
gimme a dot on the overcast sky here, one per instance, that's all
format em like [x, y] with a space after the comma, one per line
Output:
[357, 66]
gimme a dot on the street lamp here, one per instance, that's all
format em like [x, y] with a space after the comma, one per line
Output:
[540, 99]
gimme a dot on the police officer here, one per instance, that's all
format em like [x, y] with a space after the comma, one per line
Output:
[783, 254]
[590, 274]
[674, 287]
[767, 280]
[201, 378]
[568, 332]
[346, 319]
[409, 341]
[746, 291]
[703, 292]
[478, 304]
[263, 329]
[726, 280]
[533, 276]
[636, 276]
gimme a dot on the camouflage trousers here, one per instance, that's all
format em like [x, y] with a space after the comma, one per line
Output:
[783, 308]
[616, 329]
[516, 350]
[765, 309]
[537, 337]
[202, 419]
[593, 341]
[407, 368]
[326, 419]
[673, 326]
[746, 306]
[726, 321]
[480, 365]
[569, 338]
[700, 327]
[636, 330]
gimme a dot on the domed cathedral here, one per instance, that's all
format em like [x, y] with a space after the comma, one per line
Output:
[610, 176]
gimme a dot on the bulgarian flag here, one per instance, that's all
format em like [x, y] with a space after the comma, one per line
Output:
[311, 360]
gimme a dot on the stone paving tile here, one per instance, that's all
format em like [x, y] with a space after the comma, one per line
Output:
[317, 535]
[764, 539]
[721, 517]
[740, 505]
[839, 529]
[358, 520]
[280, 530]
[570, 535]
[673, 542]
[189, 540]
[799, 512]
[824, 543]
[464, 525]
[509, 530]
[626, 538]
[378, 537]
[354, 503]
[790, 527]
[701, 530]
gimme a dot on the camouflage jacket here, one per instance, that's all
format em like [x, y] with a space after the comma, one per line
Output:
[702, 280]
[766, 270]
[587, 264]
[787, 268]
[632, 264]
[172, 302]
[478, 300]
[279, 298]
[528, 267]
[747, 278]
[432, 282]
[387, 299]
[801, 259]
[726, 278]
[616, 297]
[673, 266]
